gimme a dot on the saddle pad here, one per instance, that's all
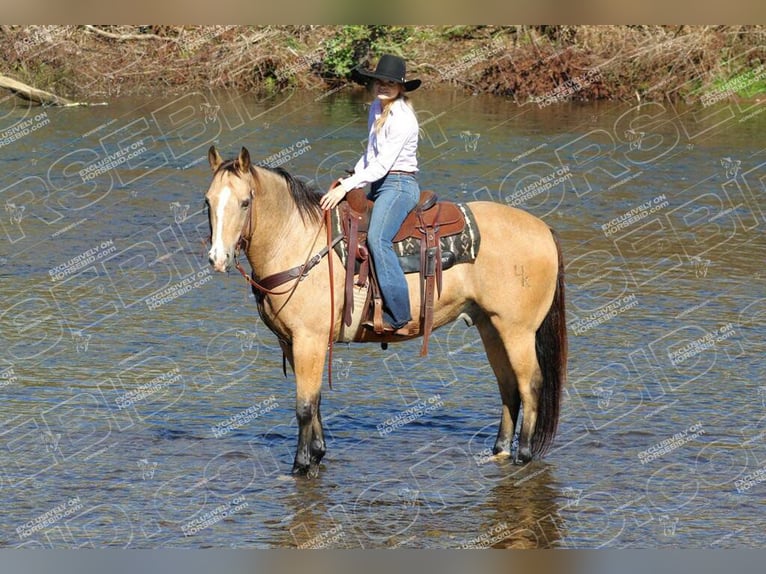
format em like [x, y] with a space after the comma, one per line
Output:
[464, 245]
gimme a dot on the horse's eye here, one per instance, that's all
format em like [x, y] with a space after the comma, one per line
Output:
[246, 204]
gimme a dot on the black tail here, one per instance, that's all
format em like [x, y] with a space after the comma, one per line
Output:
[551, 348]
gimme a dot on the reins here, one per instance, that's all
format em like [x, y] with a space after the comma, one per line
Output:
[331, 336]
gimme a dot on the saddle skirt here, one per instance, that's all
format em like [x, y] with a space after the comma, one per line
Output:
[435, 236]
[459, 240]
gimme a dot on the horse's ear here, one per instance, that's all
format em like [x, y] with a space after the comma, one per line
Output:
[214, 158]
[244, 160]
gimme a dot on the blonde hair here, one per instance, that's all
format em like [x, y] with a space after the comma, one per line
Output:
[385, 109]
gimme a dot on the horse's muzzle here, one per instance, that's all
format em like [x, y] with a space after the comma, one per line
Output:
[221, 260]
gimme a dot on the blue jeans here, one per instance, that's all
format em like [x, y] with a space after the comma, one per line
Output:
[395, 195]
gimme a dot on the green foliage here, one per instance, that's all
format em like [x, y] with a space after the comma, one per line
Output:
[354, 44]
[753, 90]
[746, 83]
[269, 85]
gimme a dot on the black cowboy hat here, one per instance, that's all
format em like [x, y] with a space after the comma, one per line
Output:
[390, 69]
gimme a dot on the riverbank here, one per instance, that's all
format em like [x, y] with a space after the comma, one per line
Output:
[541, 64]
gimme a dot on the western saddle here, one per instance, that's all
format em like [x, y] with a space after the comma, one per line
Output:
[427, 223]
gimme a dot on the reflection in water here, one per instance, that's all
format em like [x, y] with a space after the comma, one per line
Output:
[522, 511]
[307, 523]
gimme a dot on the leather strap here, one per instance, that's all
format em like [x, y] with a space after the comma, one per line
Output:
[331, 337]
[353, 243]
[364, 267]
[427, 249]
[377, 300]
[268, 284]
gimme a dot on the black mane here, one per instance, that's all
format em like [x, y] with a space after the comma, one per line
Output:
[305, 197]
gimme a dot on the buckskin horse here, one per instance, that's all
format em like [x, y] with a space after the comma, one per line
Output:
[512, 291]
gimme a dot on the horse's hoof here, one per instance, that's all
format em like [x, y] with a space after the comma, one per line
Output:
[307, 470]
[523, 456]
[313, 471]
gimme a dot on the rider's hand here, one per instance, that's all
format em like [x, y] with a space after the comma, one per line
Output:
[333, 196]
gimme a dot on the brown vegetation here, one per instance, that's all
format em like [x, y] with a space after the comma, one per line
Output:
[542, 63]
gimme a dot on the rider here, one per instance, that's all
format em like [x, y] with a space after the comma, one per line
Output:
[389, 165]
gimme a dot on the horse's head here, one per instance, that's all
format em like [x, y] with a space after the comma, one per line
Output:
[228, 200]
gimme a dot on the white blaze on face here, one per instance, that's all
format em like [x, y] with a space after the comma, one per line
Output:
[218, 250]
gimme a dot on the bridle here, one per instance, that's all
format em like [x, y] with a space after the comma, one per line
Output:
[267, 285]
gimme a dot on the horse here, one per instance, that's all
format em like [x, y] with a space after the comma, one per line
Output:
[513, 292]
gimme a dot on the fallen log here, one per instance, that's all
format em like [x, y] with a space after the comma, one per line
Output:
[125, 37]
[38, 96]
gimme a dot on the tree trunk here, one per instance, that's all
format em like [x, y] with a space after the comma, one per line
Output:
[38, 96]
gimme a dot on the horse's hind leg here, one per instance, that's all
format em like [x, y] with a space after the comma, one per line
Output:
[514, 360]
[529, 378]
[506, 381]
[317, 447]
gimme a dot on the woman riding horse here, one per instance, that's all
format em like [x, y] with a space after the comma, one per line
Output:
[388, 165]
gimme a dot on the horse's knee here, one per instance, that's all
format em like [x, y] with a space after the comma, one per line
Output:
[305, 410]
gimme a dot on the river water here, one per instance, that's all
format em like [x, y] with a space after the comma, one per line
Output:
[123, 359]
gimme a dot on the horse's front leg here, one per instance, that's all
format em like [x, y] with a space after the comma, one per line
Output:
[309, 358]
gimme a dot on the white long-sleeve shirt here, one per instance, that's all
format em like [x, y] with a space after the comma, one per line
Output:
[394, 148]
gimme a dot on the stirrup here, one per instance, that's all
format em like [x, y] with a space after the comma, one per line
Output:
[404, 331]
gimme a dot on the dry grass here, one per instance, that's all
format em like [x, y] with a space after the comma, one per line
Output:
[521, 62]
